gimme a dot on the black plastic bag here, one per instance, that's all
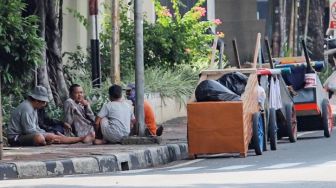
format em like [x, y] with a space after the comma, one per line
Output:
[211, 90]
[234, 81]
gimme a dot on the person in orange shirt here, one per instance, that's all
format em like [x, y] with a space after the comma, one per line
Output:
[150, 122]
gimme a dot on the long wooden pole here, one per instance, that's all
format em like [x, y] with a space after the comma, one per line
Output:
[256, 51]
[115, 42]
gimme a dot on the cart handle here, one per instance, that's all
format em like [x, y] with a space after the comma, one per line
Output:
[268, 48]
[309, 67]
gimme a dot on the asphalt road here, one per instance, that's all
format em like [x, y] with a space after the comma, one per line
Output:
[311, 162]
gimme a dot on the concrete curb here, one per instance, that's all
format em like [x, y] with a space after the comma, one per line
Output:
[139, 159]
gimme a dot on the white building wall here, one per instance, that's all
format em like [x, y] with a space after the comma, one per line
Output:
[74, 32]
[166, 109]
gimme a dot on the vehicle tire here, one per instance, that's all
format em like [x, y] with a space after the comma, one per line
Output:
[327, 118]
[291, 122]
[272, 129]
[258, 133]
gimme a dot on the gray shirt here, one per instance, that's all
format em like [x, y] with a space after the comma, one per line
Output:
[24, 121]
[79, 117]
[119, 115]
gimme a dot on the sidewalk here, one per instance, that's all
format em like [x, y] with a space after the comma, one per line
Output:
[58, 160]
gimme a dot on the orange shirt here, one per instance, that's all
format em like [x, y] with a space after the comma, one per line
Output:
[150, 117]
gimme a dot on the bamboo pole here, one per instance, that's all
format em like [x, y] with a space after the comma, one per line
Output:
[115, 43]
[256, 51]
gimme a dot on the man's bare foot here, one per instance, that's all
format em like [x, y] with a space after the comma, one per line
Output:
[88, 138]
[99, 142]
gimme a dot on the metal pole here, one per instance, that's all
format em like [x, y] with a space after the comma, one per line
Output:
[95, 63]
[115, 48]
[139, 67]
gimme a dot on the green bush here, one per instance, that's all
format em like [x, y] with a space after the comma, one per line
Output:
[20, 45]
[20, 52]
[172, 40]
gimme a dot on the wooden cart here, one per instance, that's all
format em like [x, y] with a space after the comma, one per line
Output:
[312, 105]
[284, 118]
[227, 126]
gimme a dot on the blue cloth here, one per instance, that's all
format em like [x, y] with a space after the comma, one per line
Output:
[297, 77]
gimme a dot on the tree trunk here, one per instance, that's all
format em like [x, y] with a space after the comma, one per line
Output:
[54, 56]
[283, 38]
[42, 72]
[291, 29]
[50, 73]
[276, 29]
[315, 29]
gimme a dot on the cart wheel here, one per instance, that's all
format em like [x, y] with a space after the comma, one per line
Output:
[291, 123]
[327, 118]
[258, 133]
[272, 129]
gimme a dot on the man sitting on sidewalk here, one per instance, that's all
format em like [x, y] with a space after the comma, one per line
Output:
[23, 128]
[150, 122]
[115, 119]
[78, 113]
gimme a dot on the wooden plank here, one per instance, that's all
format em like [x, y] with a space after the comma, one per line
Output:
[285, 60]
[250, 106]
[215, 127]
[256, 51]
[216, 74]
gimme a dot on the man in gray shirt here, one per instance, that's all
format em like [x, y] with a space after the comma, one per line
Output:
[115, 119]
[23, 128]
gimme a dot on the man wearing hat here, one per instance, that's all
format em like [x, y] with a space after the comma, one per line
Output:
[23, 128]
